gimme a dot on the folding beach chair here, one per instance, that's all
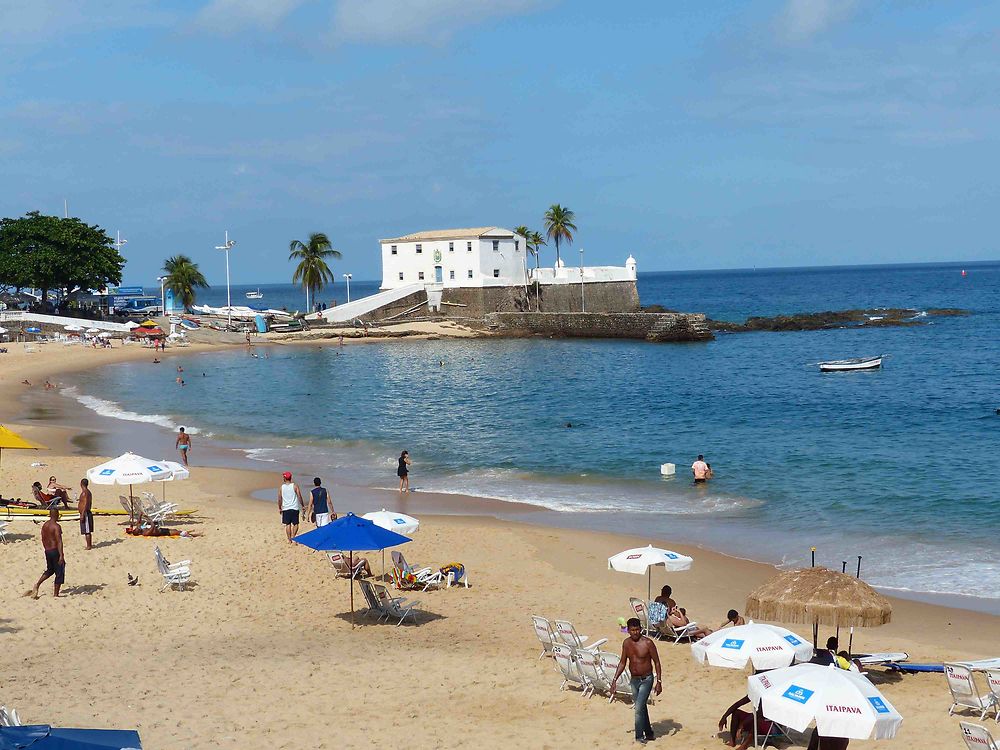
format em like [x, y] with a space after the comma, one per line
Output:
[371, 599]
[992, 679]
[339, 563]
[9, 717]
[393, 606]
[669, 632]
[3, 535]
[566, 633]
[608, 663]
[571, 673]
[544, 633]
[407, 582]
[590, 668]
[965, 693]
[977, 737]
[174, 574]
[424, 575]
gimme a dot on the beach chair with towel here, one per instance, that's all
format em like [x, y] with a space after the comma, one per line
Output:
[545, 634]
[339, 563]
[424, 575]
[965, 693]
[174, 574]
[566, 633]
[638, 607]
[570, 670]
[977, 737]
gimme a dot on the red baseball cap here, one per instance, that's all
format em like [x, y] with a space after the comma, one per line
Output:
[287, 475]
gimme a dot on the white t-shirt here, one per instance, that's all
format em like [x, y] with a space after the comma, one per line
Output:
[699, 468]
[289, 497]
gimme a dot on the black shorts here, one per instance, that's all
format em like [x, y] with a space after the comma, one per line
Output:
[52, 565]
[290, 517]
[87, 523]
[699, 481]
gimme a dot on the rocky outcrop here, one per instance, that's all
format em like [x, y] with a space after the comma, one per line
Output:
[657, 327]
[872, 318]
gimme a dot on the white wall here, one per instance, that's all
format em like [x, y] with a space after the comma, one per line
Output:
[482, 261]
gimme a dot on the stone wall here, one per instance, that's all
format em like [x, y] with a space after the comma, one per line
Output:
[610, 296]
[648, 326]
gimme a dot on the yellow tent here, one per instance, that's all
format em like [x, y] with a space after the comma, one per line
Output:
[13, 441]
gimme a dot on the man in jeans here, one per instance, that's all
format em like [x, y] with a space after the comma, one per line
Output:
[639, 652]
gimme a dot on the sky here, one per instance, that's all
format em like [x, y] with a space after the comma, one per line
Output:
[691, 135]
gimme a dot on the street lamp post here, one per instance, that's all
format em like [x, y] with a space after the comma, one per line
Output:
[348, 277]
[163, 294]
[583, 304]
[229, 300]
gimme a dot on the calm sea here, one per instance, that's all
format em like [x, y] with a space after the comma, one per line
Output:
[899, 466]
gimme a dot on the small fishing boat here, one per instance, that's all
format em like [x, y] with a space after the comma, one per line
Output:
[861, 363]
[255, 295]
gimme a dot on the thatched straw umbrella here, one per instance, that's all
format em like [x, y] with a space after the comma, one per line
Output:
[818, 595]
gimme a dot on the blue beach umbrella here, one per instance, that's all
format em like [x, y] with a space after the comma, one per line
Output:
[44, 737]
[33, 329]
[350, 533]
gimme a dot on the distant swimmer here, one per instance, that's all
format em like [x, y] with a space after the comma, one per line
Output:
[569, 424]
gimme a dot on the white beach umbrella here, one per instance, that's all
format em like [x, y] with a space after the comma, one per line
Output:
[72, 327]
[641, 559]
[93, 330]
[105, 335]
[3, 330]
[841, 702]
[764, 646]
[398, 522]
[130, 469]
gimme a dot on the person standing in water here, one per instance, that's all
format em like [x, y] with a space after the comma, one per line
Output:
[403, 471]
[700, 470]
[183, 444]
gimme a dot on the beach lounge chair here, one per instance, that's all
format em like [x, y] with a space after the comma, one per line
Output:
[965, 693]
[638, 607]
[424, 575]
[394, 606]
[590, 667]
[566, 662]
[566, 633]
[669, 632]
[339, 563]
[978, 737]
[992, 679]
[546, 636]
[407, 582]
[9, 717]
[174, 574]
[3, 535]
[609, 665]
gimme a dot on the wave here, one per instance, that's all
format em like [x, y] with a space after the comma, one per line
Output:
[116, 411]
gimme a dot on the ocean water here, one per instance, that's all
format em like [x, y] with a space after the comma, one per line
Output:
[289, 297]
[899, 466]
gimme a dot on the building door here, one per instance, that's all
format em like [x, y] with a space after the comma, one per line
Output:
[438, 274]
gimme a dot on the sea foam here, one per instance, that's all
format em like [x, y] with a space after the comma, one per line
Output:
[116, 411]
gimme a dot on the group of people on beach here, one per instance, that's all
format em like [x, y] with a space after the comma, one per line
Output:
[318, 508]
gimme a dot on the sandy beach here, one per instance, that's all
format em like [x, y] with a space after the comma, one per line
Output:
[260, 652]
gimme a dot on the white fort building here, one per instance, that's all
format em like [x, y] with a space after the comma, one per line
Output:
[482, 269]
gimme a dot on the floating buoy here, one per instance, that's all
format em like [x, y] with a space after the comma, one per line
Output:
[668, 470]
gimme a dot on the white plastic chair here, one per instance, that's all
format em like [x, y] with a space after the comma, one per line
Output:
[339, 563]
[571, 673]
[590, 668]
[544, 633]
[424, 575]
[3, 535]
[568, 635]
[174, 574]
[609, 665]
[639, 608]
[977, 737]
[965, 693]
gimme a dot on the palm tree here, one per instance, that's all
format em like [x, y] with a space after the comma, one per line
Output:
[559, 226]
[536, 243]
[312, 270]
[183, 278]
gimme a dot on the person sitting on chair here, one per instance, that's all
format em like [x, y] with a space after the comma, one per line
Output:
[49, 499]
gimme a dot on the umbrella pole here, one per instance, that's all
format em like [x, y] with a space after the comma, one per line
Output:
[754, 725]
[350, 565]
[649, 583]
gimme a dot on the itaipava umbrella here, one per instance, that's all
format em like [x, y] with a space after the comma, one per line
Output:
[44, 737]
[641, 559]
[841, 702]
[12, 441]
[398, 522]
[129, 469]
[350, 533]
[762, 645]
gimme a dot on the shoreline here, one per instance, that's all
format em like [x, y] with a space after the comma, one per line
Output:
[106, 431]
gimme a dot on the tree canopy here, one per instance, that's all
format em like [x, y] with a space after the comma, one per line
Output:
[50, 252]
[559, 226]
[312, 271]
[183, 279]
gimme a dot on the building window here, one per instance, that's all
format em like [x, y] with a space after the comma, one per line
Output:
[393, 249]
[451, 274]
[468, 246]
[496, 273]
[496, 246]
[451, 247]
[420, 274]
[517, 246]
[420, 249]
[400, 275]
[470, 273]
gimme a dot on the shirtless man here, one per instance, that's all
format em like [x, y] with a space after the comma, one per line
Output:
[733, 618]
[183, 444]
[85, 506]
[639, 652]
[55, 562]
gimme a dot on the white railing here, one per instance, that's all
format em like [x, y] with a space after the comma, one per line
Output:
[572, 274]
[19, 316]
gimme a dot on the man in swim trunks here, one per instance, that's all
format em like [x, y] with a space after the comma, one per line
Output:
[85, 506]
[55, 562]
[640, 654]
[700, 470]
[319, 504]
[289, 505]
[183, 444]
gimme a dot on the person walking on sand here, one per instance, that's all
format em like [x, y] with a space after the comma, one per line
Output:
[700, 470]
[290, 505]
[55, 561]
[403, 471]
[320, 508]
[183, 444]
[84, 505]
[639, 652]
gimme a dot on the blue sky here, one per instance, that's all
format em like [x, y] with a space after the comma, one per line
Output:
[692, 135]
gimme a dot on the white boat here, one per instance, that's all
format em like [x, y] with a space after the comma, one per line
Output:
[861, 363]
[255, 295]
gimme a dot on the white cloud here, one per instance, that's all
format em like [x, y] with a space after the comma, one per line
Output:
[803, 19]
[232, 15]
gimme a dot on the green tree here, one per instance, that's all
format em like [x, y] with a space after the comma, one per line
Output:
[312, 271]
[536, 244]
[183, 279]
[559, 226]
[52, 253]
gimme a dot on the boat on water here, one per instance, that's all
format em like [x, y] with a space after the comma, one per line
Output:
[860, 363]
[255, 294]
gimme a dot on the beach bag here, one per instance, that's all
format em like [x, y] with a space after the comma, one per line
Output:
[453, 567]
